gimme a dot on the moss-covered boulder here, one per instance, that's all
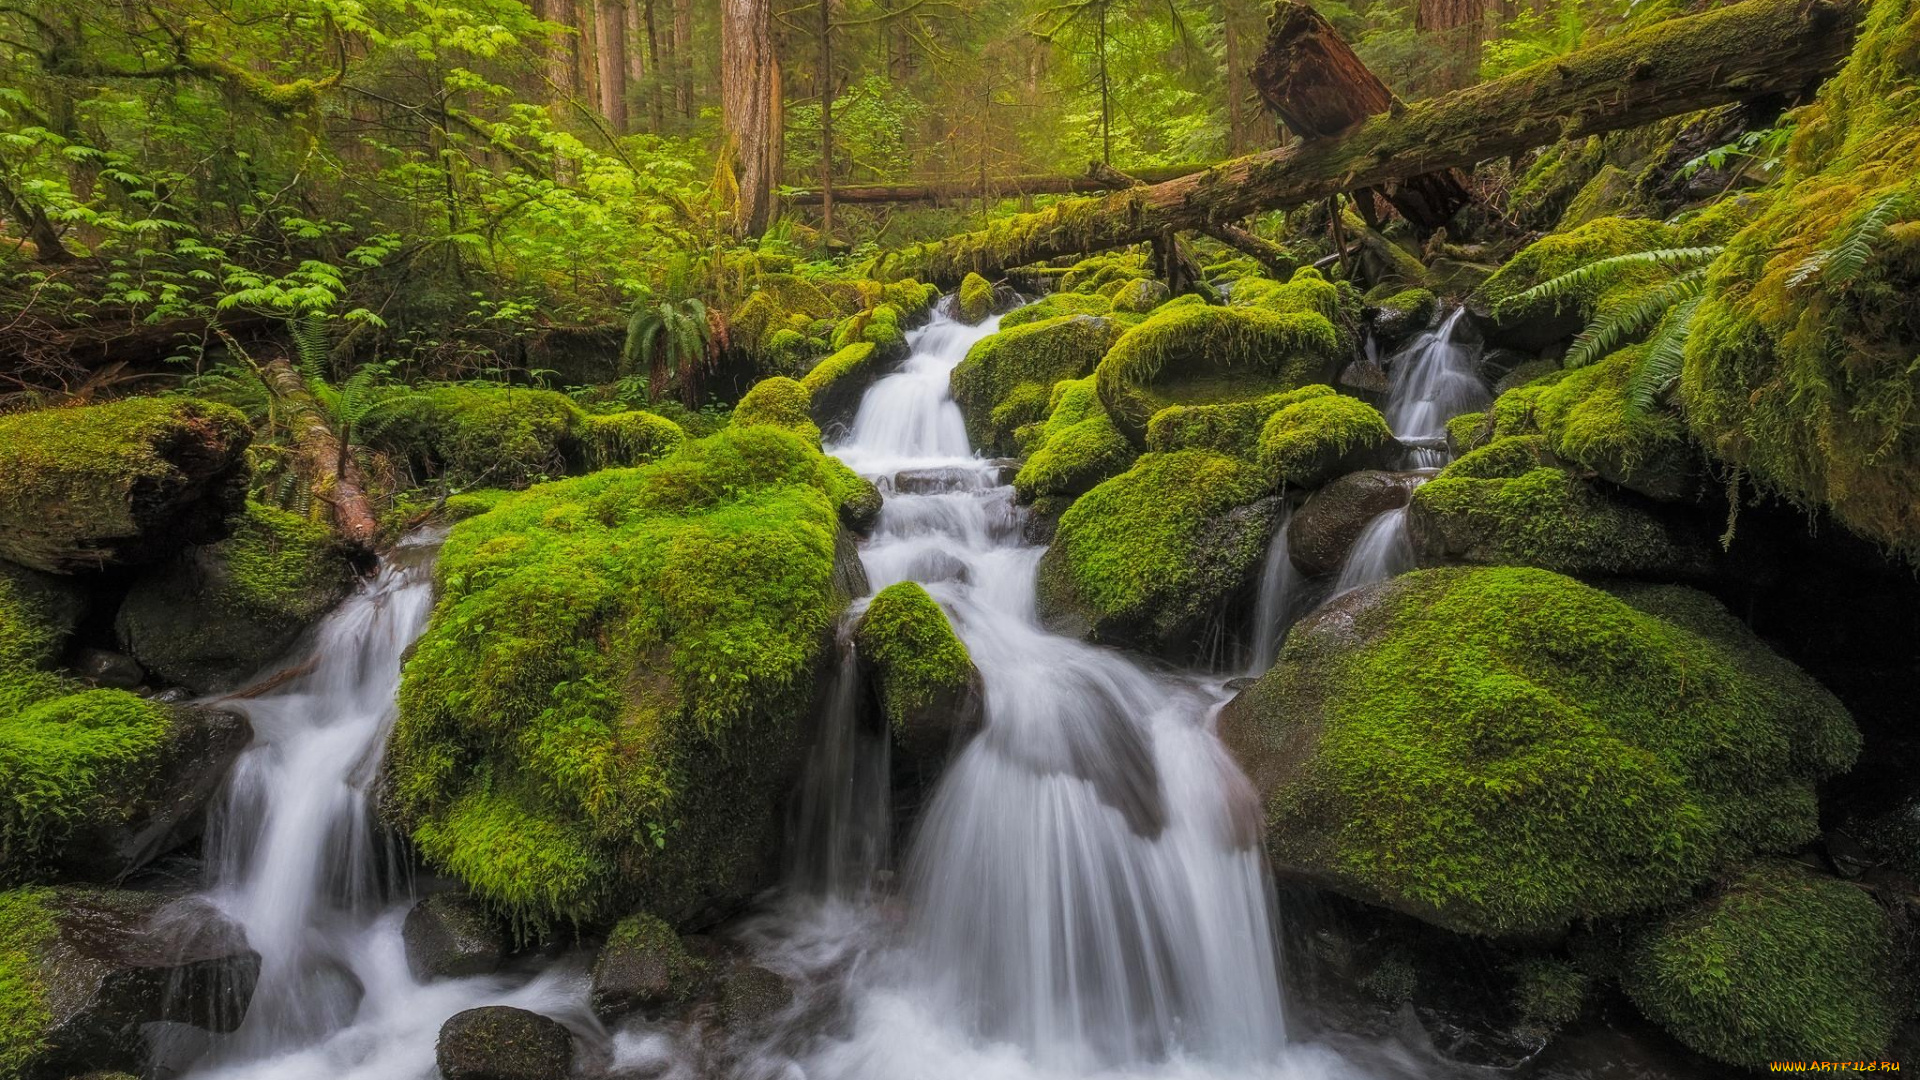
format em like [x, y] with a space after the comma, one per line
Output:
[1076, 448]
[974, 302]
[1511, 503]
[778, 402]
[1588, 419]
[1141, 296]
[921, 672]
[1007, 379]
[1537, 323]
[1310, 441]
[1396, 318]
[1105, 274]
[836, 384]
[1189, 353]
[1149, 556]
[127, 482]
[1323, 530]
[220, 613]
[604, 711]
[620, 439]
[500, 1042]
[1777, 964]
[644, 967]
[499, 435]
[1056, 305]
[1307, 291]
[82, 970]
[1504, 751]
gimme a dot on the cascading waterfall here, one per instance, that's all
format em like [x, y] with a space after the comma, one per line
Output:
[1432, 381]
[1280, 600]
[1381, 551]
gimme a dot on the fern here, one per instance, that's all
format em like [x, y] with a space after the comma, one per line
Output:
[311, 345]
[1839, 263]
[1600, 270]
[671, 340]
[1666, 354]
[1605, 334]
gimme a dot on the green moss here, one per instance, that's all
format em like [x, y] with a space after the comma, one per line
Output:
[1587, 418]
[633, 437]
[1149, 554]
[1140, 296]
[83, 482]
[1306, 443]
[1469, 431]
[778, 402]
[1231, 427]
[851, 363]
[1608, 193]
[1549, 992]
[975, 299]
[1076, 448]
[918, 662]
[602, 711]
[855, 497]
[1186, 354]
[473, 433]
[1504, 751]
[1007, 379]
[281, 567]
[1778, 965]
[1561, 253]
[913, 298]
[1308, 291]
[26, 929]
[1092, 274]
[1054, 305]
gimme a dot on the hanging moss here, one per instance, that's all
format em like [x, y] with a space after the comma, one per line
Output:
[918, 662]
[1779, 964]
[975, 299]
[1504, 751]
[1076, 448]
[603, 712]
[778, 402]
[1007, 379]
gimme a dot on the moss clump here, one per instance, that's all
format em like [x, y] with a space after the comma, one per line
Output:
[479, 433]
[1091, 275]
[1054, 305]
[221, 613]
[1007, 379]
[1609, 194]
[645, 965]
[1469, 431]
[778, 402]
[128, 481]
[1511, 503]
[855, 497]
[1587, 418]
[918, 662]
[616, 440]
[835, 384]
[602, 712]
[1231, 427]
[912, 298]
[1549, 992]
[26, 929]
[1504, 751]
[1308, 442]
[1188, 354]
[1400, 316]
[1140, 296]
[1075, 449]
[1561, 253]
[1779, 964]
[1149, 555]
[975, 299]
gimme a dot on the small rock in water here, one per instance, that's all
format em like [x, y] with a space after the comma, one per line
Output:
[104, 667]
[935, 481]
[450, 936]
[1366, 376]
[645, 967]
[752, 997]
[498, 1042]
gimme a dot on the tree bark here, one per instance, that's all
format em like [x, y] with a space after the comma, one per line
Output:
[826, 119]
[683, 57]
[936, 191]
[1277, 260]
[1729, 54]
[322, 458]
[1456, 28]
[611, 24]
[750, 103]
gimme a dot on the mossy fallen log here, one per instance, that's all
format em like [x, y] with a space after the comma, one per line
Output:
[1735, 53]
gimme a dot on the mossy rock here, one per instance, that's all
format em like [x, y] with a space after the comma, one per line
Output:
[1311, 441]
[836, 384]
[1325, 527]
[475, 433]
[1588, 420]
[622, 439]
[1140, 296]
[1468, 432]
[1609, 194]
[644, 967]
[1147, 557]
[1306, 292]
[451, 935]
[500, 1042]
[778, 402]
[1108, 272]
[1777, 964]
[1536, 324]
[1397, 318]
[219, 614]
[1194, 354]
[1511, 503]
[605, 710]
[1076, 448]
[127, 482]
[1229, 427]
[974, 302]
[929, 692]
[1055, 305]
[1007, 379]
[1506, 751]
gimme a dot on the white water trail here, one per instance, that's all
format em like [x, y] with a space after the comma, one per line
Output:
[1382, 550]
[296, 859]
[1085, 895]
[1280, 600]
[1434, 380]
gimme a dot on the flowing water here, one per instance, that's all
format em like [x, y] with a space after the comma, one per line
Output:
[1382, 550]
[1434, 380]
[1280, 601]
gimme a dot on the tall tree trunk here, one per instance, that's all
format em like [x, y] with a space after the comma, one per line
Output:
[559, 52]
[611, 20]
[1106, 92]
[683, 58]
[586, 70]
[750, 107]
[656, 88]
[1457, 28]
[826, 119]
[1236, 120]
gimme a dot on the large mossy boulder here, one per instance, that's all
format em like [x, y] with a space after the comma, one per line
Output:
[1007, 379]
[1074, 449]
[836, 384]
[1505, 751]
[220, 613]
[127, 482]
[1188, 353]
[1511, 503]
[1589, 420]
[1299, 438]
[94, 782]
[606, 707]
[1776, 964]
[1056, 305]
[500, 435]
[1147, 557]
[929, 692]
[82, 970]
[1531, 323]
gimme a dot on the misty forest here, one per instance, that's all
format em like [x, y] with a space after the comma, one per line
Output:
[959, 539]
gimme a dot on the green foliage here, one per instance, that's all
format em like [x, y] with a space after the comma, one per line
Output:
[1076, 448]
[918, 662]
[602, 711]
[672, 341]
[1687, 273]
[1778, 964]
[1617, 247]
[26, 929]
[1504, 751]
[1593, 416]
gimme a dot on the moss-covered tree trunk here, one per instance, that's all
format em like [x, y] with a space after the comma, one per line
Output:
[322, 457]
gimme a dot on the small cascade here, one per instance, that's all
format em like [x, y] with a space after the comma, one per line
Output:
[1280, 600]
[1382, 550]
[841, 836]
[1434, 380]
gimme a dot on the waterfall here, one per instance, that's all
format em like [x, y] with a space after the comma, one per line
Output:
[1278, 602]
[295, 857]
[1433, 380]
[1382, 550]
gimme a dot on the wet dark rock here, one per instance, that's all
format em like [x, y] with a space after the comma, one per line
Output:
[104, 667]
[498, 1042]
[118, 960]
[1495, 364]
[451, 936]
[751, 997]
[644, 967]
[1324, 528]
[1366, 376]
[936, 481]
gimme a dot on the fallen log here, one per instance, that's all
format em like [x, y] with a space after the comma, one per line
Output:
[939, 191]
[321, 459]
[1730, 54]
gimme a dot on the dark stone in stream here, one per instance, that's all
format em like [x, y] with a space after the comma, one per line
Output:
[117, 961]
[498, 1042]
[751, 997]
[103, 667]
[451, 936]
[937, 481]
[1324, 528]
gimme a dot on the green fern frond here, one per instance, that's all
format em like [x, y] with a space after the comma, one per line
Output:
[1839, 263]
[1604, 335]
[1660, 368]
[1599, 270]
[311, 345]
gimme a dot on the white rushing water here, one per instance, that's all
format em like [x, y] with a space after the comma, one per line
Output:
[1085, 893]
[1433, 380]
[1382, 550]
[1280, 599]
[295, 858]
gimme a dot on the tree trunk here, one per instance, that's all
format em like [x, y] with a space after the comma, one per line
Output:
[323, 459]
[586, 70]
[656, 86]
[1277, 260]
[1456, 28]
[946, 191]
[683, 57]
[750, 102]
[1729, 54]
[826, 119]
[611, 24]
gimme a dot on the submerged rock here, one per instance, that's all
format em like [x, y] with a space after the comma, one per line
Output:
[498, 1042]
[644, 967]
[1323, 530]
[128, 482]
[1505, 751]
[451, 936]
